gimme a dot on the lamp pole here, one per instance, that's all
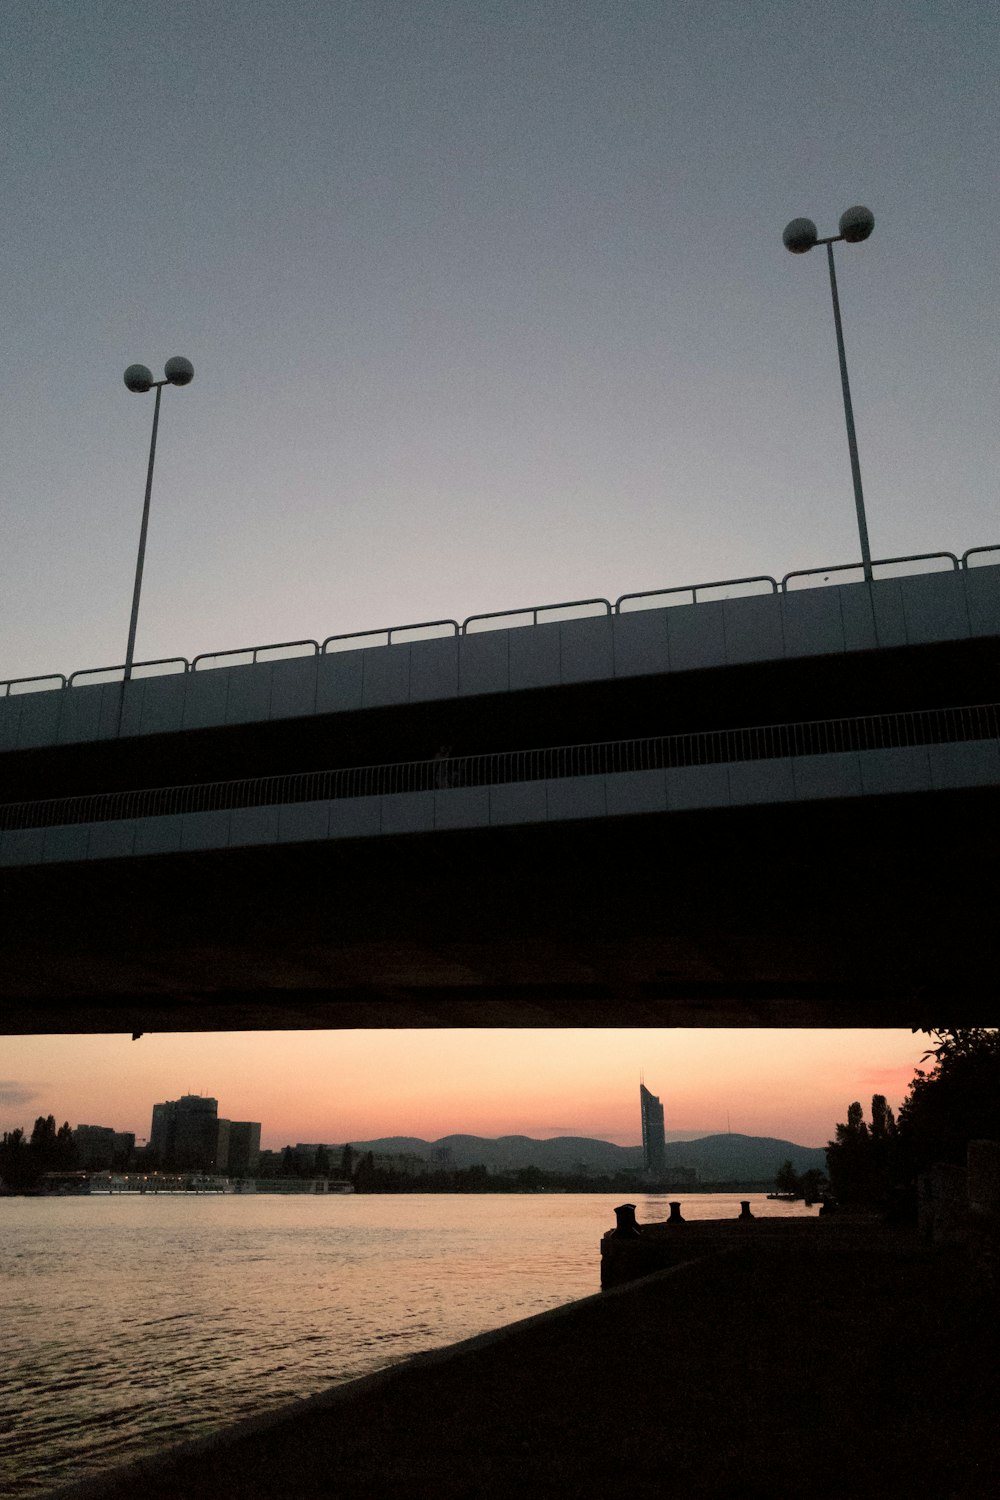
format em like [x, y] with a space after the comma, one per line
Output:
[139, 379]
[856, 224]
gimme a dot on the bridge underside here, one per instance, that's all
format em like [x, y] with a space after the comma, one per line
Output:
[879, 912]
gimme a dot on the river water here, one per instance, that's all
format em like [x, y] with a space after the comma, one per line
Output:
[133, 1322]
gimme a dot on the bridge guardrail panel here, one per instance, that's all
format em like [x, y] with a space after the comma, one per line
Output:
[246, 656]
[248, 697]
[253, 825]
[555, 614]
[697, 637]
[20, 687]
[813, 623]
[711, 751]
[982, 597]
[162, 705]
[636, 791]
[586, 649]
[755, 782]
[38, 722]
[882, 569]
[339, 681]
[981, 557]
[434, 669]
[66, 844]
[752, 628]
[935, 607]
[834, 773]
[896, 768]
[427, 630]
[462, 807]
[122, 706]
[408, 812]
[973, 763]
[534, 657]
[581, 796]
[293, 687]
[974, 560]
[159, 835]
[484, 663]
[10, 722]
[890, 617]
[157, 666]
[205, 700]
[641, 643]
[858, 615]
[355, 818]
[693, 786]
[386, 679]
[80, 715]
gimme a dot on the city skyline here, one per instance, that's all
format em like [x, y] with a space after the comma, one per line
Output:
[329, 1086]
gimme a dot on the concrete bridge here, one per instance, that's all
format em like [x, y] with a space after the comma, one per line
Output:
[769, 809]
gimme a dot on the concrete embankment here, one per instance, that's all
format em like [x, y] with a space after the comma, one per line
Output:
[862, 1365]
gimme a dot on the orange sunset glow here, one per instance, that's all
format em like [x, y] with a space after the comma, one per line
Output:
[361, 1085]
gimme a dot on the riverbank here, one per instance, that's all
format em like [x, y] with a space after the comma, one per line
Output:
[854, 1366]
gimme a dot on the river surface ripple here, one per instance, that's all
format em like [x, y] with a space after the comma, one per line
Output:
[133, 1322]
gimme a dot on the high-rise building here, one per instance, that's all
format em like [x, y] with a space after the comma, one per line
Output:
[162, 1130]
[244, 1146]
[653, 1140]
[95, 1146]
[220, 1160]
[185, 1132]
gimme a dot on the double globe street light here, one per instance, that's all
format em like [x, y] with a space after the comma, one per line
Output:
[856, 224]
[139, 380]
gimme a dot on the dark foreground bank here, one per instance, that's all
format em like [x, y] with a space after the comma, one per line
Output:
[858, 1366]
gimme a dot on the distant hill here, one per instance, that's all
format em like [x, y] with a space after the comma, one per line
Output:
[716, 1158]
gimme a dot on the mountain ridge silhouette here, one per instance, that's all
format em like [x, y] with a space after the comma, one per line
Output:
[713, 1157]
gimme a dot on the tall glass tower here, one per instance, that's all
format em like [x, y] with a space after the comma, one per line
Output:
[652, 1132]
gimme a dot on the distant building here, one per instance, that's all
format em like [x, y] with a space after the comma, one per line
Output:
[161, 1130]
[99, 1147]
[95, 1146]
[124, 1148]
[244, 1147]
[223, 1130]
[653, 1140]
[306, 1153]
[185, 1132]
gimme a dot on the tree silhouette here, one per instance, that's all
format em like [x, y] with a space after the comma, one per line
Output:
[787, 1180]
[17, 1166]
[958, 1101]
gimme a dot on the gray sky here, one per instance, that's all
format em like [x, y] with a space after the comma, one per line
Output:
[487, 304]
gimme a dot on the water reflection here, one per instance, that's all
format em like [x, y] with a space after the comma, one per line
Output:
[133, 1322]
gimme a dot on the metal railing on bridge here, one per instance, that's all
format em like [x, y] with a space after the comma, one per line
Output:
[710, 747]
[503, 619]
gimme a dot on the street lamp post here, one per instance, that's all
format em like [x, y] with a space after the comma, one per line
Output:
[800, 235]
[139, 379]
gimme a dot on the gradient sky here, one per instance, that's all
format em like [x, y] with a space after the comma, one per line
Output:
[488, 307]
[487, 303]
[336, 1086]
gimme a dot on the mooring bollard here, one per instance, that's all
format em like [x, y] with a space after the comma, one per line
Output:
[627, 1228]
[745, 1209]
[675, 1214]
